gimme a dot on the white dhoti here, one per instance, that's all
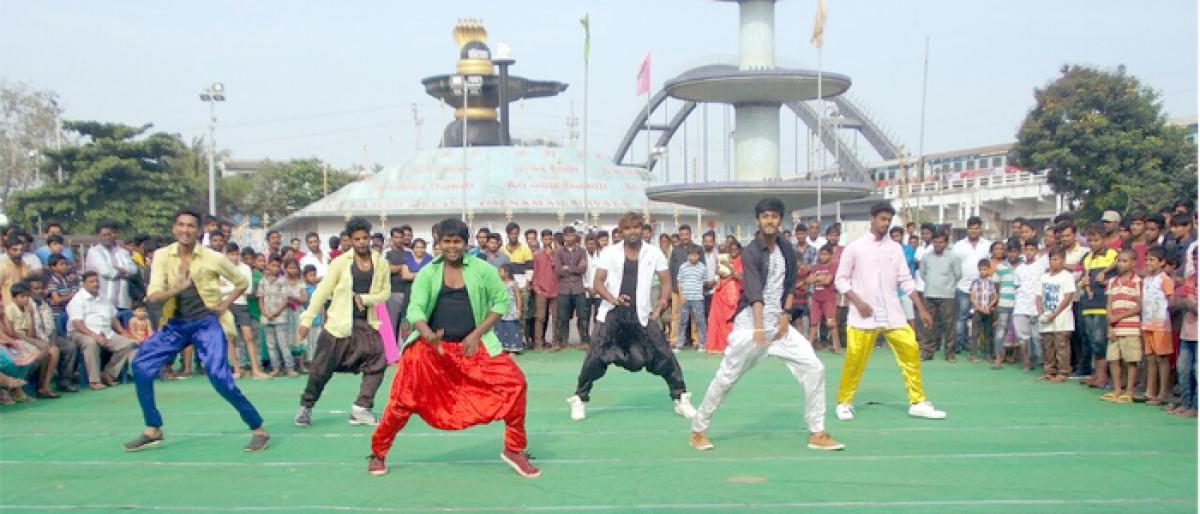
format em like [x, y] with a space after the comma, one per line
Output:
[742, 355]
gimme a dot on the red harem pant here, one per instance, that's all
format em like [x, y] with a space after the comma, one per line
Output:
[453, 392]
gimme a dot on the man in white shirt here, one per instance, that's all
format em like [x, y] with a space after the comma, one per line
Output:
[315, 257]
[969, 251]
[814, 234]
[114, 266]
[93, 325]
[624, 335]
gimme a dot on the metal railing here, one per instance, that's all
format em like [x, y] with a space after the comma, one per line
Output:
[958, 184]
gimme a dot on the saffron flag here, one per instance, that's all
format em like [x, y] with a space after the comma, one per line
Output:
[643, 77]
[818, 32]
[587, 37]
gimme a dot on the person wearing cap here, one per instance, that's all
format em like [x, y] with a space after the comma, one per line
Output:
[1112, 230]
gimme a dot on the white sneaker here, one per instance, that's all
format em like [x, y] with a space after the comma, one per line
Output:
[578, 409]
[362, 416]
[925, 410]
[683, 406]
[845, 411]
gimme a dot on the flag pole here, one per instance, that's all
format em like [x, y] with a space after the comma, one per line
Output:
[820, 125]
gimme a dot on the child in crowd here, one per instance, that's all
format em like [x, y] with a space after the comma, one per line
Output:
[1028, 279]
[19, 315]
[691, 278]
[1123, 311]
[983, 301]
[1185, 368]
[1056, 319]
[1005, 280]
[1099, 265]
[297, 296]
[1157, 290]
[273, 294]
[823, 303]
[508, 329]
[310, 285]
[139, 325]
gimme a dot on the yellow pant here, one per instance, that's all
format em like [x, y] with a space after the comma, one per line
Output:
[859, 344]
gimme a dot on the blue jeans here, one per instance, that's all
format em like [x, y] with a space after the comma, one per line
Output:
[207, 336]
[1095, 335]
[691, 309]
[1185, 367]
[1003, 317]
[962, 310]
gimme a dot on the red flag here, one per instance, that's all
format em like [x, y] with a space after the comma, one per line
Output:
[643, 77]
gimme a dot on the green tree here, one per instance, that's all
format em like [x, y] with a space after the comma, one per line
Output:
[278, 189]
[1104, 140]
[117, 173]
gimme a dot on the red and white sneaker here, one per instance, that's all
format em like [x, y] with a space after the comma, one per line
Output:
[376, 466]
[520, 463]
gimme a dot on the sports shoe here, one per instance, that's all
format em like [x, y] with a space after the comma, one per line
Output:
[258, 442]
[520, 463]
[362, 416]
[304, 417]
[700, 441]
[845, 411]
[578, 409]
[376, 465]
[824, 441]
[143, 441]
[683, 406]
[925, 410]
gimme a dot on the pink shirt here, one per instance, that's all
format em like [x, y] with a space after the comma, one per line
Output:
[874, 269]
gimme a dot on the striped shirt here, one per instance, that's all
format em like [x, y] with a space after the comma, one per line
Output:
[1008, 285]
[1125, 294]
[691, 280]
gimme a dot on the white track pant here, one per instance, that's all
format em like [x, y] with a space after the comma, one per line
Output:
[742, 355]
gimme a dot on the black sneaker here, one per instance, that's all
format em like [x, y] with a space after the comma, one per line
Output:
[257, 443]
[143, 441]
[304, 417]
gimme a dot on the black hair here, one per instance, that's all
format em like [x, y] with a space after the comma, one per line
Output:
[88, 274]
[55, 259]
[1094, 228]
[1158, 251]
[531, 231]
[974, 220]
[1181, 221]
[419, 240]
[1172, 260]
[879, 207]
[274, 233]
[54, 238]
[1186, 204]
[1156, 219]
[1013, 243]
[54, 223]
[231, 247]
[19, 288]
[215, 233]
[452, 227]
[406, 228]
[396, 231]
[334, 241]
[769, 204]
[709, 234]
[249, 250]
[482, 230]
[35, 277]
[929, 227]
[308, 268]
[694, 249]
[684, 226]
[377, 235]
[895, 229]
[547, 232]
[827, 248]
[647, 226]
[13, 241]
[568, 230]
[800, 227]
[511, 226]
[112, 225]
[984, 262]
[493, 236]
[311, 235]
[1057, 251]
[356, 224]
[1031, 242]
[941, 235]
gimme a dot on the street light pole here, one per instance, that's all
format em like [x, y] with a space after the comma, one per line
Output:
[212, 94]
[212, 169]
[466, 101]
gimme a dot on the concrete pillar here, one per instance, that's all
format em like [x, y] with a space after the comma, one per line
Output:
[757, 45]
[756, 141]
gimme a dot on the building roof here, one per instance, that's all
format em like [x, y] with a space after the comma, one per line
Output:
[539, 180]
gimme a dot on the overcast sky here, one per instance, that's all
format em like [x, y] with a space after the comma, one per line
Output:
[337, 80]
